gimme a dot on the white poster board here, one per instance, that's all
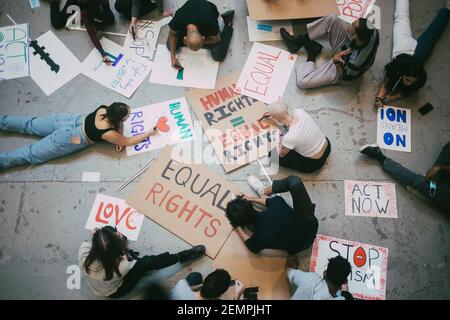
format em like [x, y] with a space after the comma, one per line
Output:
[267, 30]
[124, 75]
[369, 265]
[370, 199]
[266, 73]
[200, 70]
[146, 36]
[111, 211]
[51, 64]
[172, 119]
[14, 57]
[351, 10]
[394, 128]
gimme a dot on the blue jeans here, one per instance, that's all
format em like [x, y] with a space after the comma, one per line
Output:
[57, 132]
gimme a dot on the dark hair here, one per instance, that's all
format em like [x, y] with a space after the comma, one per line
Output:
[365, 30]
[108, 249]
[240, 213]
[338, 270]
[215, 284]
[404, 65]
[115, 113]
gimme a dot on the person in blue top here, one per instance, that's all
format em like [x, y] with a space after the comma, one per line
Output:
[278, 230]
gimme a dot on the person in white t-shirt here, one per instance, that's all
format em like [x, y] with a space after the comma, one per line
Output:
[303, 147]
[311, 286]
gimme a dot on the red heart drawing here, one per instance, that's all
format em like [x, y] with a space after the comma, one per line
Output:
[162, 124]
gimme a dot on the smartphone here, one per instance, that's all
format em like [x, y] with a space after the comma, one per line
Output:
[426, 109]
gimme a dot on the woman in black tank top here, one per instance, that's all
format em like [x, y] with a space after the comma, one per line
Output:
[63, 134]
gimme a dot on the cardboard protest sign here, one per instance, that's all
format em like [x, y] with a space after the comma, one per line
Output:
[110, 211]
[172, 118]
[370, 199]
[14, 57]
[290, 9]
[51, 63]
[394, 129]
[187, 199]
[231, 123]
[350, 10]
[266, 73]
[266, 30]
[124, 75]
[199, 69]
[369, 265]
[266, 273]
[146, 36]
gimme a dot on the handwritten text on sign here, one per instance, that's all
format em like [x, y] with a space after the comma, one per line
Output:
[110, 211]
[370, 199]
[394, 129]
[14, 61]
[266, 73]
[188, 200]
[351, 10]
[172, 118]
[369, 265]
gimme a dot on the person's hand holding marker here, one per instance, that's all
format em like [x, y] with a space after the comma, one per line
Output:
[338, 58]
[133, 27]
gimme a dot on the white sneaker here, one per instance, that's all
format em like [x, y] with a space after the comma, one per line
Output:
[265, 161]
[256, 185]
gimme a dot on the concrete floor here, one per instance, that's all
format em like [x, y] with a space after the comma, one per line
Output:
[44, 208]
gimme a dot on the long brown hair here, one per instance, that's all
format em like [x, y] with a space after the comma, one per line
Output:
[115, 114]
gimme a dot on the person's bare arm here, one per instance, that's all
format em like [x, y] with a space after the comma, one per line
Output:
[119, 139]
[244, 234]
[173, 39]
[431, 173]
[212, 39]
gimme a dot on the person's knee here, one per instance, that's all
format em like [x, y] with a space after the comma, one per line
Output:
[294, 181]
[219, 57]
[58, 23]
[304, 84]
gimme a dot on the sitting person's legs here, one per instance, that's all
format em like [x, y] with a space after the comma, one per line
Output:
[125, 7]
[301, 201]
[58, 18]
[219, 51]
[296, 161]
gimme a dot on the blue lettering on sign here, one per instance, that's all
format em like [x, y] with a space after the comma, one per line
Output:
[399, 116]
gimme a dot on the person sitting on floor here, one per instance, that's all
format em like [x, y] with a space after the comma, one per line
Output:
[303, 147]
[64, 134]
[435, 185]
[112, 272]
[405, 74]
[354, 47]
[214, 287]
[311, 286]
[279, 230]
[196, 26]
[135, 9]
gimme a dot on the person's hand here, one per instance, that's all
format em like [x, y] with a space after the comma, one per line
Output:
[167, 13]
[119, 148]
[243, 196]
[432, 172]
[238, 289]
[379, 102]
[133, 28]
[176, 64]
[152, 132]
[338, 58]
[106, 60]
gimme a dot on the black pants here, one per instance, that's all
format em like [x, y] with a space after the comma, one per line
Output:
[219, 50]
[296, 161]
[58, 17]
[125, 7]
[142, 266]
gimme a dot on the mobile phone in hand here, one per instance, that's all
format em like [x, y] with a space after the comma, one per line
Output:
[426, 109]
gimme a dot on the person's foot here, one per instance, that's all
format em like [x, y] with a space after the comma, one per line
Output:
[191, 254]
[314, 49]
[256, 185]
[291, 42]
[373, 151]
[228, 17]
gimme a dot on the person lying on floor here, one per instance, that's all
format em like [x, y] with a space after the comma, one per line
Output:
[405, 74]
[354, 47]
[311, 286]
[65, 133]
[135, 9]
[278, 230]
[435, 185]
[214, 287]
[94, 14]
[112, 272]
[303, 147]
[196, 26]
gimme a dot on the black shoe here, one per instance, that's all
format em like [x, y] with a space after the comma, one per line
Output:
[228, 17]
[314, 49]
[291, 42]
[373, 151]
[191, 254]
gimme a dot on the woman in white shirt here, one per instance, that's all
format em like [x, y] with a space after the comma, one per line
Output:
[303, 147]
[112, 272]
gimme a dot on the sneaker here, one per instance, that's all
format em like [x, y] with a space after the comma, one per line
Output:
[373, 151]
[291, 42]
[191, 254]
[256, 185]
[314, 49]
[228, 17]
[265, 161]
